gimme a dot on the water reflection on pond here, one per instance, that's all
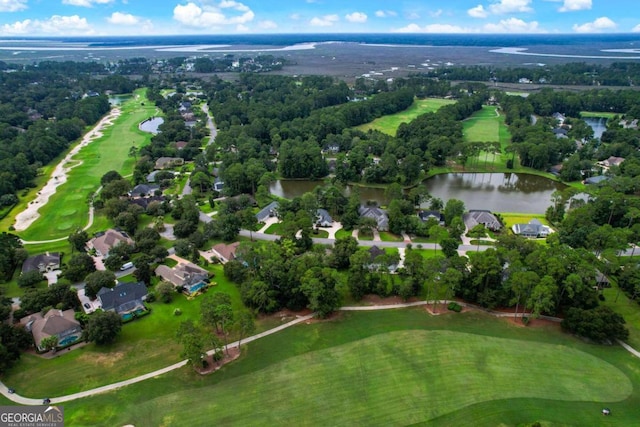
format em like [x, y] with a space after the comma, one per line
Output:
[598, 124]
[151, 125]
[499, 192]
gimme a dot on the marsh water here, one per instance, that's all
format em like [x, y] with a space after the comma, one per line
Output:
[499, 192]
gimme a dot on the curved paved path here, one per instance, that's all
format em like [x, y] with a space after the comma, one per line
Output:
[110, 387]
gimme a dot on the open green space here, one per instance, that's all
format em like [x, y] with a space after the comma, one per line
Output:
[511, 218]
[627, 308]
[482, 126]
[487, 125]
[394, 367]
[605, 114]
[386, 236]
[389, 124]
[342, 233]
[68, 208]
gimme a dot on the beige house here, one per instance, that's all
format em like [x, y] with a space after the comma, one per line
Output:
[61, 324]
[104, 242]
[224, 252]
[168, 162]
[184, 274]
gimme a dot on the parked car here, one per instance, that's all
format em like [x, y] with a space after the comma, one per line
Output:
[46, 401]
[86, 305]
[11, 390]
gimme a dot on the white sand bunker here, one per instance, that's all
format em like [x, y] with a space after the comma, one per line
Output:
[59, 176]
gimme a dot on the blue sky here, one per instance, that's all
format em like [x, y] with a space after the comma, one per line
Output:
[148, 17]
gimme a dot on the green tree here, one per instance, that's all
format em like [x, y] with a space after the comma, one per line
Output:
[343, 248]
[78, 266]
[246, 325]
[49, 343]
[78, 240]
[98, 280]
[319, 286]
[104, 327]
[449, 247]
[453, 209]
[30, 279]
[165, 290]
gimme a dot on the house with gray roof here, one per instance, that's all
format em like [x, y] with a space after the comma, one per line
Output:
[382, 220]
[142, 190]
[124, 298]
[268, 211]
[594, 180]
[486, 218]
[323, 218]
[427, 215]
[44, 262]
[533, 229]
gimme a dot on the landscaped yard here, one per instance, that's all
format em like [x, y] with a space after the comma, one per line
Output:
[511, 218]
[396, 367]
[68, 208]
[389, 124]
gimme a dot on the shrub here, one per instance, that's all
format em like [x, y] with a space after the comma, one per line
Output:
[177, 312]
[151, 296]
[454, 306]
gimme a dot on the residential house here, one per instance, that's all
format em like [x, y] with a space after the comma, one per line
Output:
[376, 213]
[629, 124]
[224, 252]
[268, 211]
[602, 281]
[44, 262]
[486, 218]
[142, 190]
[532, 229]
[595, 180]
[556, 169]
[559, 117]
[561, 133]
[427, 215]
[376, 260]
[218, 184]
[180, 145]
[323, 218]
[103, 242]
[125, 298]
[611, 161]
[151, 178]
[58, 323]
[144, 202]
[184, 274]
[168, 162]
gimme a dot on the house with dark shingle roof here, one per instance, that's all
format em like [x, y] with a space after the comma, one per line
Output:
[268, 211]
[142, 190]
[594, 180]
[58, 323]
[427, 215]
[124, 298]
[532, 229]
[323, 218]
[382, 220]
[44, 262]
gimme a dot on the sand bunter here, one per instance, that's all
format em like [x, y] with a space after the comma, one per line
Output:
[59, 176]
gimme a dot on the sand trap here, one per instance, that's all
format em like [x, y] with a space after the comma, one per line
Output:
[59, 176]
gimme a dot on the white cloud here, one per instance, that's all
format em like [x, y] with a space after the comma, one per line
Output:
[573, 5]
[436, 13]
[513, 25]
[193, 15]
[478, 12]
[413, 16]
[53, 26]
[386, 13]
[510, 6]
[12, 5]
[356, 17]
[86, 3]
[267, 25]
[295, 16]
[601, 24]
[119, 18]
[325, 21]
[432, 28]
[636, 29]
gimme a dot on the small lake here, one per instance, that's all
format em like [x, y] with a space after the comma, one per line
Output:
[598, 124]
[499, 192]
[151, 125]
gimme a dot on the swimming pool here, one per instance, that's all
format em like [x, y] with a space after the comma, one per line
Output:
[195, 288]
[68, 340]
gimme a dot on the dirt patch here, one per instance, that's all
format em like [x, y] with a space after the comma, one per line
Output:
[213, 366]
[373, 299]
[442, 309]
[108, 360]
[533, 323]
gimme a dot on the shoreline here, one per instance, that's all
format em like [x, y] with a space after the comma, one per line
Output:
[60, 173]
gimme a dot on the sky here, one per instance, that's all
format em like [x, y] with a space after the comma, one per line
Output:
[162, 17]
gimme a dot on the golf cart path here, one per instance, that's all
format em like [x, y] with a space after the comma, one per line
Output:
[110, 387]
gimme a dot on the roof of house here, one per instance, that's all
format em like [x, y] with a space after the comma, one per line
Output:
[183, 274]
[40, 262]
[613, 161]
[181, 144]
[426, 215]
[475, 217]
[54, 322]
[376, 213]
[143, 190]
[596, 179]
[164, 162]
[375, 252]
[122, 294]
[144, 202]
[104, 242]
[267, 211]
[532, 228]
[323, 216]
[152, 176]
[228, 252]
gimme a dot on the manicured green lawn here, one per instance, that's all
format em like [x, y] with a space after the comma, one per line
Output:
[389, 124]
[630, 310]
[482, 126]
[321, 234]
[342, 233]
[606, 114]
[510, 219]
[68, 208]
[396, 367]
[390, 237]
[274, 229]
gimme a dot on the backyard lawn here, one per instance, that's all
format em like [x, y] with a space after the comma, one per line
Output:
[394, 367]
[68, 208]
[389, 124]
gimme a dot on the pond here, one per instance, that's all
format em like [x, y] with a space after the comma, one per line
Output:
[499, 192]
[151, 125]
[598, 124]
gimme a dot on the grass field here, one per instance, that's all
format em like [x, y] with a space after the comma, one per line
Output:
[68, 208]
[389, 124]
[396, 367]
[487, 125]
[510, 219]
[606, 114]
